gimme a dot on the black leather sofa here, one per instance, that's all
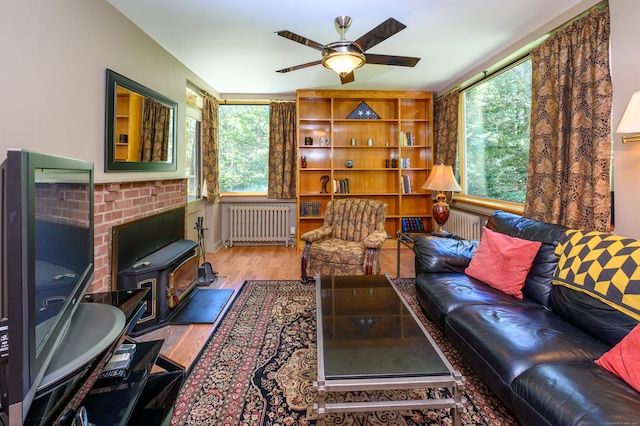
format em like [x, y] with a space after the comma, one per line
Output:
[535, 353]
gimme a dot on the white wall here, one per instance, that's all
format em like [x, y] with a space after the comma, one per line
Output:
[625, 66]
[54, 57]
[53, 80]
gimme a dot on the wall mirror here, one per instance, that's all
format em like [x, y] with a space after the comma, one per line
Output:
[140, 133]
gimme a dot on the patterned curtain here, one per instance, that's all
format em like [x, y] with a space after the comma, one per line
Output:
[156, 125]
[282, 150]
[445, 120]
[210, 170]
[570, 153]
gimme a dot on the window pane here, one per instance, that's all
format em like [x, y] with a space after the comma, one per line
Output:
[243, 148]
[496, 135]
[193, 159]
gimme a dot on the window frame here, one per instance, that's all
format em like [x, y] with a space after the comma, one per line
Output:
[194, 108]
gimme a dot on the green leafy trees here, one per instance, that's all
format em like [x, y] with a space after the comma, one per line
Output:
[497, 117]
[243, 148]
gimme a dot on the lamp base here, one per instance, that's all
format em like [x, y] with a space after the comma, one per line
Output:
[441, 212]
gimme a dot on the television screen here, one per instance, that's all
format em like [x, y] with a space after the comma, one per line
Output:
[47, 264]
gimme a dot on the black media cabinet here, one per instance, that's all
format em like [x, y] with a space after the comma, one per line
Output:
[141, 398]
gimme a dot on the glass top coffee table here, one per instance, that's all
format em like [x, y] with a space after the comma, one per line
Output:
[369, 339]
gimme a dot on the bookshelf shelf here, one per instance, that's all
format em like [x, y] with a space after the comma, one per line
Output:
[323, 118]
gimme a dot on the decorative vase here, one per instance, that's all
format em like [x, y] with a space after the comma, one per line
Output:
[303, 162]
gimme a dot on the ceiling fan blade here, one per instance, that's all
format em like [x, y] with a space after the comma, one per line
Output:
[347, 78]
[401, 61]
[380, 33]
[302, 40]
[298, 67]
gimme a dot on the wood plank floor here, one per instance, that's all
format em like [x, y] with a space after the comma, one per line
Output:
[184, 343]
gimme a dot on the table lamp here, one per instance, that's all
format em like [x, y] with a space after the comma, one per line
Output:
[630, 122]
[441, 179]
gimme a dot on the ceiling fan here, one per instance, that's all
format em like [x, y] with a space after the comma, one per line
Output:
[345, 56]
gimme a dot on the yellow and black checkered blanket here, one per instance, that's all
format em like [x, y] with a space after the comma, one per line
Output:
[602, 265]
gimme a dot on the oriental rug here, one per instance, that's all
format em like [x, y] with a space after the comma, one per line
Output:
[259, 367]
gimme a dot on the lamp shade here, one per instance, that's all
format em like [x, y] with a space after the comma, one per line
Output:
[442, 179]
[630, 122]
[342, 57]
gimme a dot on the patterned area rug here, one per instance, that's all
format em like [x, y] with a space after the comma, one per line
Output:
[259, 367]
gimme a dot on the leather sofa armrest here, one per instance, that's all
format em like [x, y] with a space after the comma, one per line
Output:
[435, 254]
[375, 239]
[317, 234]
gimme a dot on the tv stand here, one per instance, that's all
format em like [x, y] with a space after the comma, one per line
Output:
[94, 328]
[136, 399]
[141, 398]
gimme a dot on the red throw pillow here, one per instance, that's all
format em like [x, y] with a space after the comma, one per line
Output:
[503, 262]
[623, 359]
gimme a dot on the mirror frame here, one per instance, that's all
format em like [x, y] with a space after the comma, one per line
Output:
[110, 164]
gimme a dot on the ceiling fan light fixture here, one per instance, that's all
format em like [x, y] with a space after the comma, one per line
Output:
[343, 58]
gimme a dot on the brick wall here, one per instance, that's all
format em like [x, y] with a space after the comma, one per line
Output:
[118, 203]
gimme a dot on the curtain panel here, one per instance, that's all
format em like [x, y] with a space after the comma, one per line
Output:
[570, 152]
[282, 150]
[445, 123]
[156, 125]
[210, 170]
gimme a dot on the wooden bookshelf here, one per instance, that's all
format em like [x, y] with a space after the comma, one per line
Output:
[377, 171]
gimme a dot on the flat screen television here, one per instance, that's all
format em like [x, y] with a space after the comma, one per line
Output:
[47, 265]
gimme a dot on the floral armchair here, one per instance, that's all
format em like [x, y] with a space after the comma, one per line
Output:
[349, 242]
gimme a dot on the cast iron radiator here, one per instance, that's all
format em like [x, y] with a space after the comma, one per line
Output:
[259, 224]
[465, 225]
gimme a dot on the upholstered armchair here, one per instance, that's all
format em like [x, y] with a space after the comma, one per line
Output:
[349, 242]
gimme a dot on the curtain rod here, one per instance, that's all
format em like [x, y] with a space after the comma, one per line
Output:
[486, 73]
[254, 101]
[196, 89]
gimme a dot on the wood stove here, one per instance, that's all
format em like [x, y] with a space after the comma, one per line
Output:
[151, 253]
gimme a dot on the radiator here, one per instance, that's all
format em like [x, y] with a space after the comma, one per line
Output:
[259, 224]
[465, 225]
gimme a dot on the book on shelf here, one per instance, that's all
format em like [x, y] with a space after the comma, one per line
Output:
[412, 224]
[310, 208]
[407, 139]
[405, 184]
[341, 186]
[405, 163]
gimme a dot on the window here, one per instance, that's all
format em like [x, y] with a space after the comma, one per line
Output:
[496, 134]
[193, 167]
[243, 148]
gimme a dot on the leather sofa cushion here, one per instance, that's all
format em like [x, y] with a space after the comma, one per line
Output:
[435, 254]
[538, 283]
[597, 318]
[501, 342]
[503, 262]
[441, 293]
[556, 394]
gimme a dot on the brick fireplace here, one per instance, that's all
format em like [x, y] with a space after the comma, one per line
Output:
[119, 203]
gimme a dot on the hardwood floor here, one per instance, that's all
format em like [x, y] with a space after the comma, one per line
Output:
[184, 343]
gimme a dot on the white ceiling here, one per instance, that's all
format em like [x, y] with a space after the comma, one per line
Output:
[232, 45]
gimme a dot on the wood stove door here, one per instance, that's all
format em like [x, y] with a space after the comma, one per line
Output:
[182, 280]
